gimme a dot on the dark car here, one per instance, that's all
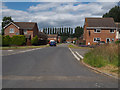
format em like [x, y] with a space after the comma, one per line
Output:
[100, 42]
[52, 43]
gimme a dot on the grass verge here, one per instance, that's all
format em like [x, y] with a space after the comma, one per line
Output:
[105, 58]
[23, 47]
[74, 46]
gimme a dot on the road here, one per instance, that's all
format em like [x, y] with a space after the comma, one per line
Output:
[51, 67]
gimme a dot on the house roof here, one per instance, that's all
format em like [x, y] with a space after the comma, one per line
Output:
[52, 36]
[100, 22]
[23, 25]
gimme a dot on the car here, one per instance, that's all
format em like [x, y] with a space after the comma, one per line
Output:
[52, 43]
[100, 42]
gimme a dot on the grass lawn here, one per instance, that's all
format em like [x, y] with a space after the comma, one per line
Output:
[22, 47]
[74, 46]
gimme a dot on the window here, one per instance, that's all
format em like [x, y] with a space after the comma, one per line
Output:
[11, 30]
[112, 31]
[96, 39]
[112, 39]
[25, 31]
[119, 31]
[97, 30]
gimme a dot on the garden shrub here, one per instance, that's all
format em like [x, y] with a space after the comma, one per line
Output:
[6, 40]
[18, 40]
[35, 40]
[117, 42]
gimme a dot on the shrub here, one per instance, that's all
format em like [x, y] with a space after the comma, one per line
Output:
[6, 40]
[18, 40]
[35, 40]
[117, 42]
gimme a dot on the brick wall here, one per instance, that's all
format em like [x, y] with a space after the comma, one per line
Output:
[102, 35]
[7, 30]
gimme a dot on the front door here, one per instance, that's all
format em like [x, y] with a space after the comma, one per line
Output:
[107, 40]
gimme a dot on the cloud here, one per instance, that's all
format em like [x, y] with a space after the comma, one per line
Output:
[58, 14]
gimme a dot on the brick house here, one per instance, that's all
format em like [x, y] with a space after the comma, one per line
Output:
[54, 37]
[99, 29]
[29, 29]
[117, 31]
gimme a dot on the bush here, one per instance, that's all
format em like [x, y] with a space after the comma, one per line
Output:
[18, 40]
[117, 42]
[6, 40]
[43, 42]
[35, 40]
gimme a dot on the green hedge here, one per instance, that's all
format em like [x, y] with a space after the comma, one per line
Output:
[18, 40]
[117, 42]
[6, 40]
[35, 40]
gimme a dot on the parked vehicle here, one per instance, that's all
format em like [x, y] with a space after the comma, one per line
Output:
[100, 42]
[52, 43]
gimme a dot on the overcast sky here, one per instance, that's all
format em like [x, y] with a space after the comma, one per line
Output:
[55, 14]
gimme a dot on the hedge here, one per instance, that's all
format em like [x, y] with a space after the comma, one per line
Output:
[18, 40]
[6, 40]
[35, 40]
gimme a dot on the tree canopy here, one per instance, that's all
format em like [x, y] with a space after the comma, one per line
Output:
[78, 31]
[5, 21]
[114, 13]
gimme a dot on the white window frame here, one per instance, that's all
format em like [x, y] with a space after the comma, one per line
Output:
[113, 39]
[25, 31]
[112, 29]
[97, 30]
[109, 40]
[96, 38]
[11, 30]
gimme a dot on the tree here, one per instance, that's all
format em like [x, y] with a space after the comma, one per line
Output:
[114, 13]
[78, 31]
[5, 21]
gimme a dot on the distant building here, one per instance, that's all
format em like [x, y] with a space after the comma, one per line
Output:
[99, 29]
[54, 37]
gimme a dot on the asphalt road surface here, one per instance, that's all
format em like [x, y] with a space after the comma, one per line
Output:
[51, 67]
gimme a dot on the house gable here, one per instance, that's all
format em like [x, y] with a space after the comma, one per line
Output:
[10, 24]
[15, 29]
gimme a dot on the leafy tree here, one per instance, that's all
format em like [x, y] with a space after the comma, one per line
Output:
[55, 30]
[5, 21]
[114, 13]
[78, 31]
[44, 30]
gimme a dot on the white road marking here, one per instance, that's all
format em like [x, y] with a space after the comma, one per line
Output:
[79, 55]
[10, 50]
[75, 55]
[22, 51]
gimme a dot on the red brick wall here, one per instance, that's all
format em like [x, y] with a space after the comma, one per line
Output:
[102, 35]
[7, 30]
[35, 30]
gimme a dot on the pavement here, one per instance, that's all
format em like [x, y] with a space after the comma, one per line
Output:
[51, 67]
